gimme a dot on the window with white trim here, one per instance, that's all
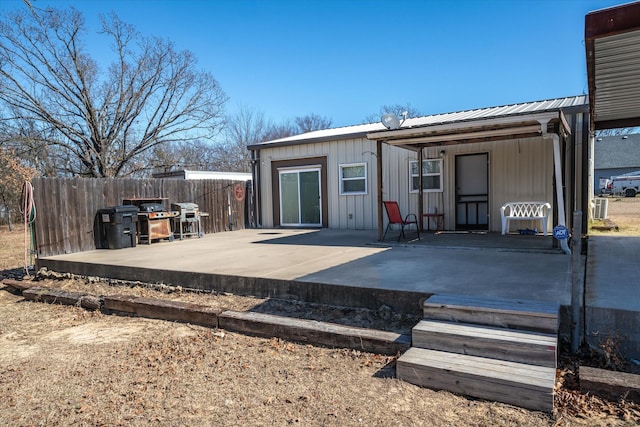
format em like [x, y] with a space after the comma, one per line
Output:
[353, 178]
[431, 176]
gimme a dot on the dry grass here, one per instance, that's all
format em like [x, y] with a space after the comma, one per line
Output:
[624, 214]
[12, 243]
[62, 365]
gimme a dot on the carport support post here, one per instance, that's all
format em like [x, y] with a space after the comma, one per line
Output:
[379, 168]
[577, 283]
[420, 189]
[557, 161]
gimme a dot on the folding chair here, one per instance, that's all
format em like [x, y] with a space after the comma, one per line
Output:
[393, 213]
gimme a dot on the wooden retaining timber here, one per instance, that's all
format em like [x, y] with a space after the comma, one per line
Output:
[312, 331]
[154, 308]
[610, 385]
[485, 348]
[250, 323]
[18, 286]
[56, 296]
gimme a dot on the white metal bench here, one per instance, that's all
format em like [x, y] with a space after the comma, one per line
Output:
[525, 211]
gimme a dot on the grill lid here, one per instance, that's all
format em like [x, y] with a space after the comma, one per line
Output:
[189, 207]
[151, 207]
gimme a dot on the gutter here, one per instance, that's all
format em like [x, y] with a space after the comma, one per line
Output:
[256, 194]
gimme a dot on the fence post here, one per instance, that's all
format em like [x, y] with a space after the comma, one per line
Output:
[577, 283]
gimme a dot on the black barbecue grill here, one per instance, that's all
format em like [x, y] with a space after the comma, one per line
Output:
[154, 221]
[187, 221]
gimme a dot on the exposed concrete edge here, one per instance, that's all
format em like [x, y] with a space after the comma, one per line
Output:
[611, 326]
[249, 323]
[403, 302]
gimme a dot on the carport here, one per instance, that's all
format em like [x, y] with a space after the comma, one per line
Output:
[464, 128]
[612, 42]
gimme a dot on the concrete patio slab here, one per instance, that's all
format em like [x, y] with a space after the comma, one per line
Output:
[518, 267]
[612, 294]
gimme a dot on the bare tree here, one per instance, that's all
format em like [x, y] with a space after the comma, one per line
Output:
[99, 123]
[248, 127]
[13, 175]
[397, 109]
[312, 122]
[244, 128]
[278, 131]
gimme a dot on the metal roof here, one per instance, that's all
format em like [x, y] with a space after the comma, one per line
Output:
[612, 41]
[358, 131]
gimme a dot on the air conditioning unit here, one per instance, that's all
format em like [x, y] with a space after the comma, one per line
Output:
[600, 208]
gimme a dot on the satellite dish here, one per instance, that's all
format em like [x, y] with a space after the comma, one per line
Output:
[390, 121]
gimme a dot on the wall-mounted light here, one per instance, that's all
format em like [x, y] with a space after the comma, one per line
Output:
[442, 152]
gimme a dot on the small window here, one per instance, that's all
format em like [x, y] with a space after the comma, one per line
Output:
[353, 178]
[431, 176]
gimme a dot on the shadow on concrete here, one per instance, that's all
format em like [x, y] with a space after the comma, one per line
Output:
[458, 239]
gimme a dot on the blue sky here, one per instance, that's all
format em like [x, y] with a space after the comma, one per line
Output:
[345, 59]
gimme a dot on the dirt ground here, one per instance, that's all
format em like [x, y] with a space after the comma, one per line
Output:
[62, 365]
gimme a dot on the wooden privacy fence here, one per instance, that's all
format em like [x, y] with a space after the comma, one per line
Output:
[66, 207]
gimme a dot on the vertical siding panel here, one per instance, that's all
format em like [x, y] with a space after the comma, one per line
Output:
[518, 169]
[72, 239]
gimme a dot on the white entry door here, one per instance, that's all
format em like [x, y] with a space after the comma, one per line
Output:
[300, 202]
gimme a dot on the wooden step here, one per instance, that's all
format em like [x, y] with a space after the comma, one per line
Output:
[526, 386]
[504, 313]
[485, 341]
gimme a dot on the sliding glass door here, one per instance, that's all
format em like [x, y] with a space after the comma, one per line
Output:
[300, 202]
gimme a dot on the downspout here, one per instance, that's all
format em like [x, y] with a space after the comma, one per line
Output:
[379, 173]
[557, 162]
[256, 193]
[591, 179]
[420, 189]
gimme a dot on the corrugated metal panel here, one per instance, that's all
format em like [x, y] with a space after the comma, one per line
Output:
[519, 169]
[617, 76]
[612, 44]
[363, 208]
[461, 116]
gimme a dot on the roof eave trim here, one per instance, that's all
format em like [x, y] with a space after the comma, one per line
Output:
[458, 126]
[260, 146]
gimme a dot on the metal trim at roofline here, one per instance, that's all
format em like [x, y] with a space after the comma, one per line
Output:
[516, 125]
[612, 44]
[567, 104]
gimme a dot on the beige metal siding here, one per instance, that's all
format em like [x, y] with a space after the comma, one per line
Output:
[518, 170]
[345, 211]
[356, 211]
